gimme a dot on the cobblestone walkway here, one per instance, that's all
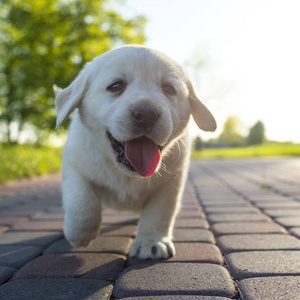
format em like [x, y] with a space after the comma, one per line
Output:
[237, 236]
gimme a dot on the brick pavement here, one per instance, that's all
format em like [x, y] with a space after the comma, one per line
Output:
[237, 236]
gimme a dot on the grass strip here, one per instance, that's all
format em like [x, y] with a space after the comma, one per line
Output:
[264, 150]
[24, 161]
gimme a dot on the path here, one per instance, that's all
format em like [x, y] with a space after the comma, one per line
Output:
[237, 237]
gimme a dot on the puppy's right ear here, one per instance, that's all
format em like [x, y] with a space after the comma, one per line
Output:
[69, 98]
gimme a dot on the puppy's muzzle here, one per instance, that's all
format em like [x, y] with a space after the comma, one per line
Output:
[145, 117]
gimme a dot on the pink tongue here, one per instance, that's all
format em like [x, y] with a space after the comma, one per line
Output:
[143, 154]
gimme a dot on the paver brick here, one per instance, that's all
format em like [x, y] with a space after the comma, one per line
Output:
[188, 252]
[243, 265]
[49, 216]
[101, 244]
[174, 297]
[174, 279]
[295, 231]
[3, 228]
[225, 203]
[10, 221]
[118, 230]
[275, 199]
[21, 213]
[242, 242]
[270, 288]
[54, 289]
[191, 223]
[243, 217]
[282, 212]
[38, 238]
[191, 214]
[276, 205]
[119, 219]
[33, 225]
[192, 235]
[231, 209]
[288, 222]
[5, 274]
[245, 228]
[18, 255]
[88, 265]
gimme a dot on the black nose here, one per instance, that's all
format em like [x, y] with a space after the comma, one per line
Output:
[145, 117]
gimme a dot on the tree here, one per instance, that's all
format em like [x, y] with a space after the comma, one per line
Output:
[198, 143]
[231, 133]
[47, 42]
[256, 134]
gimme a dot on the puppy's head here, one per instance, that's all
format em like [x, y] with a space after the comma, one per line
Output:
[136, 101]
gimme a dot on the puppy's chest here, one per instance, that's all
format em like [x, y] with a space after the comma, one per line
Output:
[124, 195]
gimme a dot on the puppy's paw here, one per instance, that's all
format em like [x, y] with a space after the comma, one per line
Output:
[152, 249]
[80, 238]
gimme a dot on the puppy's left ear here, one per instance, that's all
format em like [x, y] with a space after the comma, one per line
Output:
[69, 98]
[202, 116]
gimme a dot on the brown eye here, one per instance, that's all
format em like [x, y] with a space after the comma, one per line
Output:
[169, 89]
[116, 87]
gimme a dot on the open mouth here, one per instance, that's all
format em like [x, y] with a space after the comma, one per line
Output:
[139, 155]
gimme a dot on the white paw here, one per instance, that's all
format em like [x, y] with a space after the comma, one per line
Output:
[80, 238]
[152, 249]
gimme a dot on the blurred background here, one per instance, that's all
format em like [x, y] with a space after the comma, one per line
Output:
[241, 55]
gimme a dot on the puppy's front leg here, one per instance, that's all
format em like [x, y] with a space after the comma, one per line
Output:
[154, 238]
[82, 209]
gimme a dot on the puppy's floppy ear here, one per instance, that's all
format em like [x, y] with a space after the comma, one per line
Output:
[202, 116]
[69, 98]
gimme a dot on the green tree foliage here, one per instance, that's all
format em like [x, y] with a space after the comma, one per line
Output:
[47, 42]
[257, 134]
[231, 133]
[198, 143]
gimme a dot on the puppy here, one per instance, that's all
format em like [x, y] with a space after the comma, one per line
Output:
[128, 145]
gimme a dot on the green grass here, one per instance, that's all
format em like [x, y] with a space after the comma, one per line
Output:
[276, 149]
[19, 161]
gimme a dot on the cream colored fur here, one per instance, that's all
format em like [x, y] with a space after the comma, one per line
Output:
[92, 177]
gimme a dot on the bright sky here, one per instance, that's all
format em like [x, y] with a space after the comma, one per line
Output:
[253, 48]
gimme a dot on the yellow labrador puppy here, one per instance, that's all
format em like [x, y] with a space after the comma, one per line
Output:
[128, 145]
